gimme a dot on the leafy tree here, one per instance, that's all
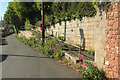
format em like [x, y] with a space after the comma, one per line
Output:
[27, 25]
[55, 12]
[10, 17]
[17, 13]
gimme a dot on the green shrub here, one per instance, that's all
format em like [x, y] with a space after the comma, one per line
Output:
[61, 37]
[38, 23]
[91, 51]
[78, 45]
[61, 11]
[70, 10]
[58, 53]
[90, 71]
[28, 26]
[16, 29]
[51, 48]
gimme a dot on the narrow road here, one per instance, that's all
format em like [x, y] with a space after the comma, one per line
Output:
[21, 61]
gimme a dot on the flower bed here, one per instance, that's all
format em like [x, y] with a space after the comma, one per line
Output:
[89, 70]
[54, 49]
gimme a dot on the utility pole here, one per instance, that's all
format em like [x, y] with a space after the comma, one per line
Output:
[65, 31]
[43, 27]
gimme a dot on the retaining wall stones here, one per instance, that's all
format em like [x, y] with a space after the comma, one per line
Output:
[91, 30]
[26, 34]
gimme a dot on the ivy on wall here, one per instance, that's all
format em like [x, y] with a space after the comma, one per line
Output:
[60, 11]
[69, 10]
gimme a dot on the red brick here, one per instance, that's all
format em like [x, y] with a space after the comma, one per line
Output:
[110, 22]
[116, 45]
[112, 56]
[108, 56]
[115, 7]
[111, 14]
[111, 63]
[107, 66]
[116, 55]
[111, 74]
[114, 69]
[118, 37]
[116, 4]
[109, 28]
[112, 41]
[116, 19]
[108, 42]
[108, 13]
[116, 64]
[117, 69]
[116, 15]
[115, 26]
[109, 69]
[115, 32]
[112, 45]
[116, 60]
[119, 50]
[108, 52]
[115, 37]
[115, 75]
[110, 34]
[119, 31]
[111, 18]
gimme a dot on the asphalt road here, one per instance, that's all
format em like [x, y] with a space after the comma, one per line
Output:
[21, 61]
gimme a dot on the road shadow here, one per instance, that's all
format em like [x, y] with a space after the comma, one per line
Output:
[6, 35]
[3, 58]
[3, 42]
[23, 56]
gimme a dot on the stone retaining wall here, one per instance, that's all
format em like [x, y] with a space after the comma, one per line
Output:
[102, 33]
[26, 34]
[92, 31]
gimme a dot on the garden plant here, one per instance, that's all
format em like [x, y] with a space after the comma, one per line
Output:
[89, 70]
[52, 47]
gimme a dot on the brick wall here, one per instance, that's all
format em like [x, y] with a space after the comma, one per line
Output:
[113, 38]
[119, 40]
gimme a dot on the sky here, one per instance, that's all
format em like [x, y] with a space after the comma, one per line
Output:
[3, 7]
